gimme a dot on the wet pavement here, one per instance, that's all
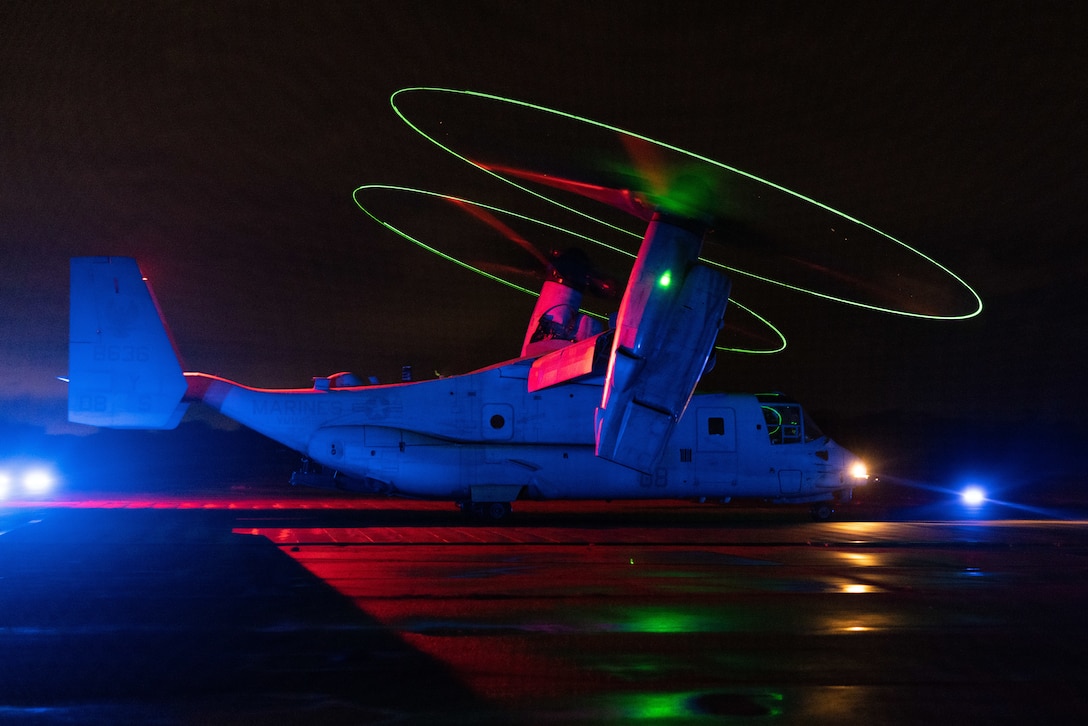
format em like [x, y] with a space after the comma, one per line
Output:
[264, 606]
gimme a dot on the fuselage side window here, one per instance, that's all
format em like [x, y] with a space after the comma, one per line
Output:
[716, 430]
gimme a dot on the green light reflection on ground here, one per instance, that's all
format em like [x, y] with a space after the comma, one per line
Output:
[666, 620]
[652, 706]
[699, 706]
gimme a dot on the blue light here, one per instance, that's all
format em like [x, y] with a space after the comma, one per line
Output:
[23, 478]
[37, 481]
[973, 496]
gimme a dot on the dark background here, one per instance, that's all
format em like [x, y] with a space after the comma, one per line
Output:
[220, 145]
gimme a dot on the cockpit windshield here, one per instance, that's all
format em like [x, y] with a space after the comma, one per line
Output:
[812, 431]
[787, 422]
[783, 423]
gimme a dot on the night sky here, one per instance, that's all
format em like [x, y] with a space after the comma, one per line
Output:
[220, 146]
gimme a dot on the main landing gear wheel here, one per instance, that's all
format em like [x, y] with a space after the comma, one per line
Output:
[822, 512]
[487, 511]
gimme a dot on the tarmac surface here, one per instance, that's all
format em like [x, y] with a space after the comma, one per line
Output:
[270, 605]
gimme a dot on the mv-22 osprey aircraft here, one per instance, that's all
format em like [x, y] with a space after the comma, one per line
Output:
[583, 413]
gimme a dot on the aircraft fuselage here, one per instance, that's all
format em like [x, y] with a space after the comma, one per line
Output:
[486, 437]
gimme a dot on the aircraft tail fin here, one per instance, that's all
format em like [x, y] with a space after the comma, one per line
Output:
[123, 368]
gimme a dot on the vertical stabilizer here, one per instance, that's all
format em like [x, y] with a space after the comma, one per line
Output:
[123, 370]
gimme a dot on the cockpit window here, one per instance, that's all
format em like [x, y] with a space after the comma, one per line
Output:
[787, 422]
[812, 431]
[783, 422]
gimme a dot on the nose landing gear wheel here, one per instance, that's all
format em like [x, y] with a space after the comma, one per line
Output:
[822, 512]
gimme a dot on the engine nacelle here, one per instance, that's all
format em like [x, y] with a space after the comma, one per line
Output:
[665, 331]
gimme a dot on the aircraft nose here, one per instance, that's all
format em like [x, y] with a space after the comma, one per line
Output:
[854, 468]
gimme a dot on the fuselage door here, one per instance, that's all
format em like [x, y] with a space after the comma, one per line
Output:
[789, 481]
[716, 446]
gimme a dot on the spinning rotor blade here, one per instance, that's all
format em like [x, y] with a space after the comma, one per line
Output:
[762, 231]
[621, 199]
[570, 267]
[489, 218]
[467, 234]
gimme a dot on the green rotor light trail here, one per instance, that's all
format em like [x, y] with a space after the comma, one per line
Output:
[770, 331]
[689, 189]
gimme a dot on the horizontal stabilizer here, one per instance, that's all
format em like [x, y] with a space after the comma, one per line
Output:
[579, 360]
[123, 369]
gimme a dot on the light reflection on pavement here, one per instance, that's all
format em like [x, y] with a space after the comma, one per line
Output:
[573, 613]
